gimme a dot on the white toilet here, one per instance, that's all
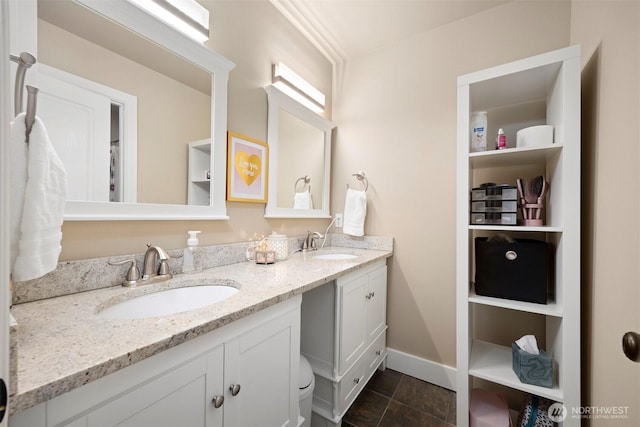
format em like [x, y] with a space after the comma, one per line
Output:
[307, 383]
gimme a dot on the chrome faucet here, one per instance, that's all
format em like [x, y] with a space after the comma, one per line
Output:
[309, 244]
[151, 258]
[150, 274]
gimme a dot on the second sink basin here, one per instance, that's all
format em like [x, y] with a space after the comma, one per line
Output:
[335, 256]
[167, 302]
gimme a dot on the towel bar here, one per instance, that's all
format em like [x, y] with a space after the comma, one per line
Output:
[361, 177]
[25, 61]
[306, 180]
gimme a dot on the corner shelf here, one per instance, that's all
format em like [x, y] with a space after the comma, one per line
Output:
[543, 89]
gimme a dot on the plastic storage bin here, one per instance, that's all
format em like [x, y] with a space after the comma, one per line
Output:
[488, 409]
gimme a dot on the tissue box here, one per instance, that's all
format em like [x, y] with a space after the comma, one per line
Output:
[535, 369]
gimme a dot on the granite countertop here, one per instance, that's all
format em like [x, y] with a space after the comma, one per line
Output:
[62, 343]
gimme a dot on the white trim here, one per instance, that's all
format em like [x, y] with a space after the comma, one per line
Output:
[5, 115]
[138, 21]
[280, 101]
[426, 370]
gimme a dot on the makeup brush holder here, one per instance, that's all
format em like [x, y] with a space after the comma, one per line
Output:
[532, 193]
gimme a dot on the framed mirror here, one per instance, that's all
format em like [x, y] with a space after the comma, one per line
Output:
[122, 48]
[299, 159]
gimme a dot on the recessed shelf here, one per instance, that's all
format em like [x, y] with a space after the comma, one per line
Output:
[492, 362]
[549, 309]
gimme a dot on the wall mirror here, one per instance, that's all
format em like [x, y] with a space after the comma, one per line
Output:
[179, 92]
[299, 159]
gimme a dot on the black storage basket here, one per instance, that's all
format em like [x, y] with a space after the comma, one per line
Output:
[519, 270]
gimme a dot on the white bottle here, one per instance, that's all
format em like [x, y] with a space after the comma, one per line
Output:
[479, 131]
[189, 260]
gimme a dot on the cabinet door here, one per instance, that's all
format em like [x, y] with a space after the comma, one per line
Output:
[264, 363]
[352, 309]
[176, 398]
[215, 387]
[377, 303]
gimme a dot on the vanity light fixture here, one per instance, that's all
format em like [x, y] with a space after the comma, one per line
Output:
[186, 16]
[286, 80]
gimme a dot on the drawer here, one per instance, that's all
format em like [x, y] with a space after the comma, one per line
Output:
[376, 354]
[351, 384]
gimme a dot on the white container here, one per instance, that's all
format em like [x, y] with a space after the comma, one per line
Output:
[534, 136]
[279, 243]
[305, 397]
[479, 131]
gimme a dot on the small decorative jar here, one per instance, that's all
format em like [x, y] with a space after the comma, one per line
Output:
[265, 257]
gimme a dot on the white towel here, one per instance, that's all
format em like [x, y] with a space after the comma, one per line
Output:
[355, 210]
[302, 200]
[43, 207]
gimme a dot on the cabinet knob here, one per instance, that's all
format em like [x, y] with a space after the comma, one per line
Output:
[356, 380]
[235, 389]
[217, 401]
[378, 353]
[370, 295]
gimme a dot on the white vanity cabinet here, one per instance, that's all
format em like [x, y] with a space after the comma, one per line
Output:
[243, 374]
[344, 337]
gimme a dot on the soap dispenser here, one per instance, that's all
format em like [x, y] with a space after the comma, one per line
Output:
[190, 263]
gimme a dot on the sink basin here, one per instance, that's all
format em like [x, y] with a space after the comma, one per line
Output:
[335, 256]
[167, 302]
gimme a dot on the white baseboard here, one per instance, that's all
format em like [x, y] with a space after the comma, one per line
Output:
[426, 370]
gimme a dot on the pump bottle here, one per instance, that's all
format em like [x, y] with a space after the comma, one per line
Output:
[190, 263]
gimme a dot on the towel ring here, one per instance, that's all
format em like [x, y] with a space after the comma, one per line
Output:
[362, 178]
[306, 180]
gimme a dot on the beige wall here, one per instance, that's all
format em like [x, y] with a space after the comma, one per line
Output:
[396, 121]
[253, 35]
[609, 33]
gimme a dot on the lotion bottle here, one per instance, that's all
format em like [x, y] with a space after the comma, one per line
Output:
[190, 264]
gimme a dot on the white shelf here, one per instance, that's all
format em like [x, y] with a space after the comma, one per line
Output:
[513, 156]
[543, 89]
[544, 228]
[199, 190]
[492, 362]
[549, 309]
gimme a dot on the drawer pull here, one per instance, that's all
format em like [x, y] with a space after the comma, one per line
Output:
[217, 401]
[235, 389]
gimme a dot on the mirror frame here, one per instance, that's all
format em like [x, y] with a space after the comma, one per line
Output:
[139, 22]
[280, 101]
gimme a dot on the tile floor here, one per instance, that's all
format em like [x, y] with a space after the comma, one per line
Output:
[392, 399]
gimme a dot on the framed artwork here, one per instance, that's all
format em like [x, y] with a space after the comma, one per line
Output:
[247, 164]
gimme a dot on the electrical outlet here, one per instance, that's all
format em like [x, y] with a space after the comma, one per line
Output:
[339, 220]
